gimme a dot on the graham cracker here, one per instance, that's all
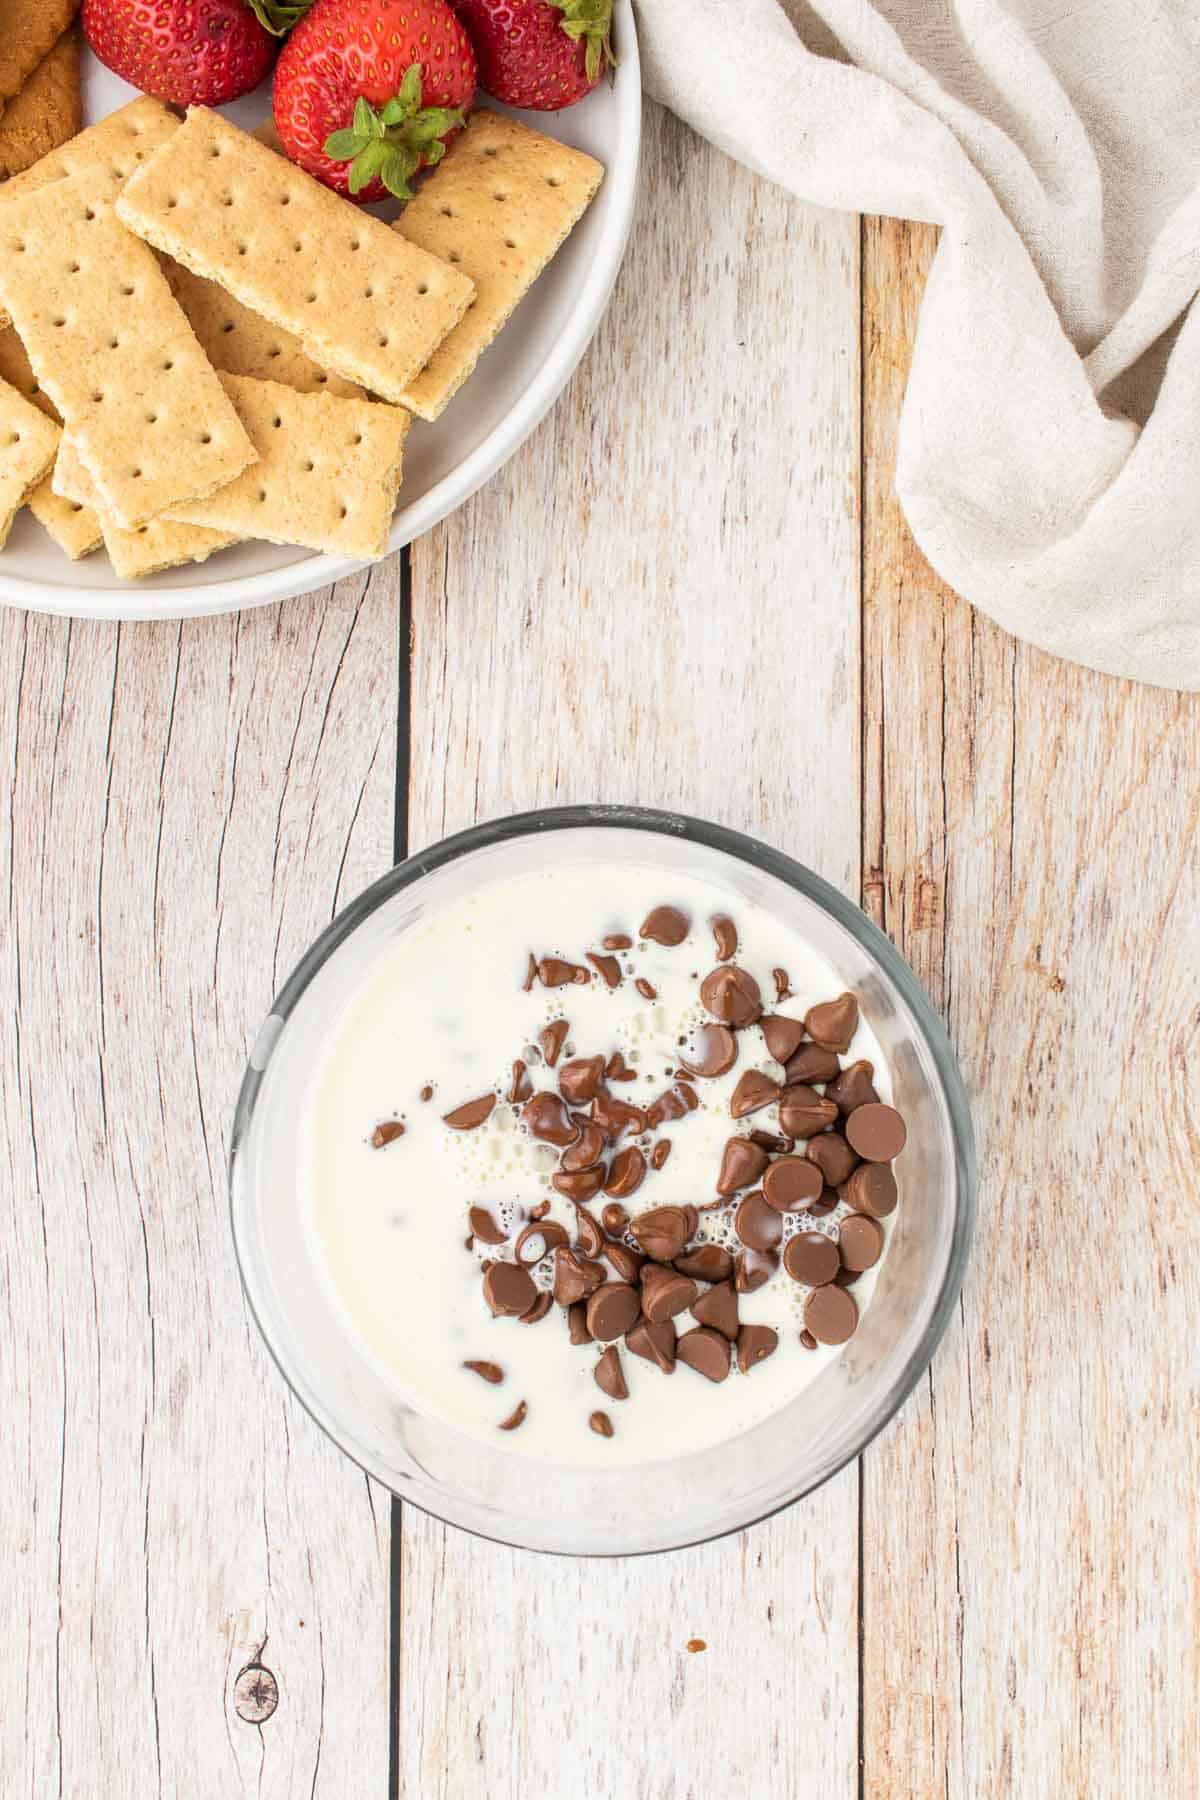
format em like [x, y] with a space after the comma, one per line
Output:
[106, 153]
[46, 113]
[326, 475]
[29, 30]
[28, 441]
[365, 304]
[110, 150]
[74, 528]
[114, 352]
[161, 544]
[241, 342]
[498, 206]
[15, 369]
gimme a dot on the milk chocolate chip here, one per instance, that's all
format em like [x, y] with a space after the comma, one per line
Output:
[656, 1343]
[579, 1184]
[536, 1241]
[752, 1093]
[554, 972]
[660, 1153]
[710, 1050]
[861, 1241]
[830, 1314]
[706, 1351]
[538, 1310]
[508, 1290]
[833, 1156]
[676, 1103]
[486, 1227]
[833, 1023]
[589, 1239]
[665, 1292]
[710, 1262]
[607, 967]
[515, 1418]
[610, 1376]
[783, 1036]
[811, 1258]
[575, 1277]
[613, 1116]
[520, 1088]
[471, 1114]
[718, 1308]
[853, 1088]
[758, 1226]
[552, 1037]
[577, 1329]
[802, 1112]
[579, 1080]
[662, 1232]
[732, 996]
[625, 1261]
[545, 1117]
[386, 1132]
[753, 1268]
[666, 925]
[783, 985]
[611, 1310]
[872, 1189]
[614, 1219]
[626, 1172]
[810, 1063]
[601, 1424]
[617, 940]
[754, 1344]
[725, 936]
[741, 1165]
[587, 1149]
[876, 1132]
[792, 1184]
[644, 988]
[490, 1371]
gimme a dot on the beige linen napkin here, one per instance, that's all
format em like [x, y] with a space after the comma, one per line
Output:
[1050, 441]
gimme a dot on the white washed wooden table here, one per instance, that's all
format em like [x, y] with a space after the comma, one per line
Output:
[692, 588]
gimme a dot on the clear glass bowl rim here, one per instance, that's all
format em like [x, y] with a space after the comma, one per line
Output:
[736, 844]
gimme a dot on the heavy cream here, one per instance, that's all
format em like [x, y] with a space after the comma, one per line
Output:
[443, 1013]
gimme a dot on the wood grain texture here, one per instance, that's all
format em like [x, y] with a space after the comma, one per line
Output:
[184, 807]
[1031, 1609]
[657, 601]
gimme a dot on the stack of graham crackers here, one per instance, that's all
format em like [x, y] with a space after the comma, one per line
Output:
[205, 345]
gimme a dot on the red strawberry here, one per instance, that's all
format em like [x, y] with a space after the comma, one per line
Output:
[540, 54]
[369, 91]
[195, 52]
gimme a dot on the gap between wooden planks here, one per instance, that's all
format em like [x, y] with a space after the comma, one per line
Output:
[1031, 1602]
[1027, 1617]
[185, 806]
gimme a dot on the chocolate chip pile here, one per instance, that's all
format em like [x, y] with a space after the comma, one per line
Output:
[625, 1277]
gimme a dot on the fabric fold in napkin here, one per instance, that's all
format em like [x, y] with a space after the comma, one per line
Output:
[1049, 460]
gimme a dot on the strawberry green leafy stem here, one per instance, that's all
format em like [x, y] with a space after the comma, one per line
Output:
[391, 144]
[592, 21]
[278, 16]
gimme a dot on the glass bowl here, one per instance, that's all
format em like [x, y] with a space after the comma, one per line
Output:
[644, 1507]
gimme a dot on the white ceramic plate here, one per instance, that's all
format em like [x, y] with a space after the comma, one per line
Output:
[516, 382]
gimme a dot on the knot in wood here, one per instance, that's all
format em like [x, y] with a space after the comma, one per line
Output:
[255, 1693]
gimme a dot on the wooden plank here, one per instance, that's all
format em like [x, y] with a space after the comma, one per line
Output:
[657, 601]
[1031, 1537]
[185, 807]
